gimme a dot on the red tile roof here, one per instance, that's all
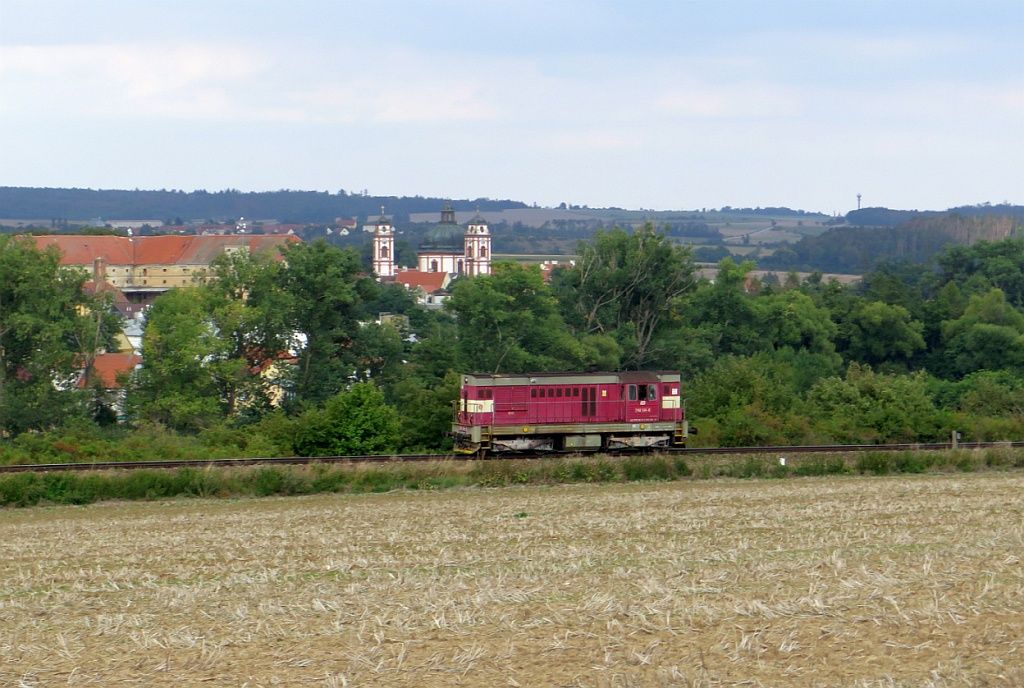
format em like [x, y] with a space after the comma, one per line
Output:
[427, 281]
[107, 367]
[82, 250]
[154, 250]
[93, 288]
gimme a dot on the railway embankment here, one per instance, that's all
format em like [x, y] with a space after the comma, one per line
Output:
[25, 489]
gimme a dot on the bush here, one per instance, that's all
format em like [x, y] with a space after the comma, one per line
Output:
[911, 462]
[874, 462]
[646, 468]
[353, 422]
[751, 467]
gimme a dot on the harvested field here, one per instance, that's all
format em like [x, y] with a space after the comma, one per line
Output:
[805, 582]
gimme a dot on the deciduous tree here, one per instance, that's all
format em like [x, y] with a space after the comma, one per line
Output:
[45, 335]
[625, 285]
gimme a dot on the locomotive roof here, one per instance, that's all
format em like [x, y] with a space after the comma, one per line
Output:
[608, 378]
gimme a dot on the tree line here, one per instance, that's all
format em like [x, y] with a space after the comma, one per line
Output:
[285, 204]
[293, 356]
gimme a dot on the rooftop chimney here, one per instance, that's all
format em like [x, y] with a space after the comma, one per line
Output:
[99, 270]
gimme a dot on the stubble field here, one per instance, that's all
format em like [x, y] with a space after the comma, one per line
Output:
[802, 582]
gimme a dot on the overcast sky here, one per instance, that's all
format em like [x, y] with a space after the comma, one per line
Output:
[641, 104]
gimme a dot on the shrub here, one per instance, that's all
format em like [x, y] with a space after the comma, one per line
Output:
[646, 468]
[912, 462]
[874, 462]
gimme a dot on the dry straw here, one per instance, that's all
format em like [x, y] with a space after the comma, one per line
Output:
[908, 581]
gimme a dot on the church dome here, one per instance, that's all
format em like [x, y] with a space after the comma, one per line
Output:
[446, 236]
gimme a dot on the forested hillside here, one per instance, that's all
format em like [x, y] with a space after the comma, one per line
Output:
[284, 205]
[917, 239]
[885, 217]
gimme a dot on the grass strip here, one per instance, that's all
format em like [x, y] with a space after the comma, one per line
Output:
[30, 489]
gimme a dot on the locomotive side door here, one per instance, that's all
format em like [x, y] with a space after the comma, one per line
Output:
[642, 403]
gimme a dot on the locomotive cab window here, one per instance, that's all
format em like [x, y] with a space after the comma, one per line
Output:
[643, 392]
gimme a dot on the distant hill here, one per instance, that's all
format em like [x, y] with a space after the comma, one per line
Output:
[917, 239]
[285, 205]
[886, 217]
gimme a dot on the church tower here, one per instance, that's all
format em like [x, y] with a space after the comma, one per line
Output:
[478, 247]
[384, 248]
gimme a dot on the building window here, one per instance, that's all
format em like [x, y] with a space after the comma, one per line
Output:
[383, 251]
[469, 251]
[483, 251]
[433, 266]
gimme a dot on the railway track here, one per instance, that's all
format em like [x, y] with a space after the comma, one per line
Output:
[398, 458]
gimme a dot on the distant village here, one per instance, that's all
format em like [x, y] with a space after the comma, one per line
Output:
[136, 268]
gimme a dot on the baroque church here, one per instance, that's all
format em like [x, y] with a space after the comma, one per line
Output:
[447, 248]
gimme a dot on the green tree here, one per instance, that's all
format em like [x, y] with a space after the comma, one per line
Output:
[869, 406]
[356, 421]
[508, 322]
[328, 288]
[791, 319]
[1000, 263]
[877, 332]
[626, 285]
[48, 327]
[183, 356]
[989, 335]
[251, 313]
[724, 315]
[744, 401]
[426, 409]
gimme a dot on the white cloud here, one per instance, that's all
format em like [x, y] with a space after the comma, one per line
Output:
[738, 100]
[596, 140]
[125, 79]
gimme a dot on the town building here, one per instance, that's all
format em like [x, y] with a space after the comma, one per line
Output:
[429, 288]
[447, 247]
[144, 267]
[383, 248]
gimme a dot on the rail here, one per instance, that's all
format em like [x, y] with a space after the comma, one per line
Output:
[396, 458]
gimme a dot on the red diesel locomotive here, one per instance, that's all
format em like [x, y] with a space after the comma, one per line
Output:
[569, 412]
